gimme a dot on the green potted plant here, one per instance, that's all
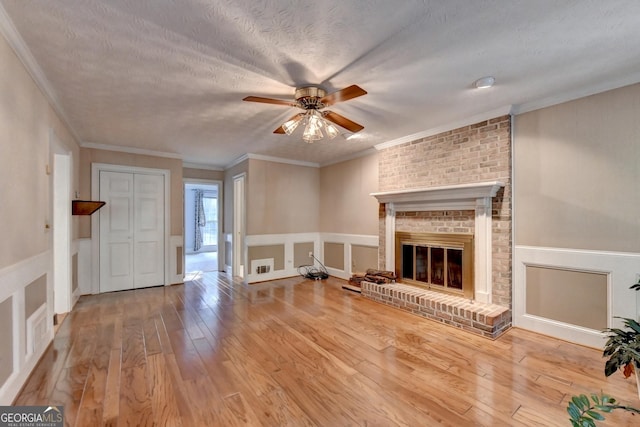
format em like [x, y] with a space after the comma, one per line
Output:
[623, 350]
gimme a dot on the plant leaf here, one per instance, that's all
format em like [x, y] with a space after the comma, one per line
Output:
[628, 370]
[578, 402]
[595, 415]
[573, 411]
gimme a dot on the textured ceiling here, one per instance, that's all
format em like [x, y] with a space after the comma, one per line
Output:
[170, 75]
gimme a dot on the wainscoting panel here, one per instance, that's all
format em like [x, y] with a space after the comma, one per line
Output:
[620, 270]
[349, 241]
[25, 335]
[286, 241]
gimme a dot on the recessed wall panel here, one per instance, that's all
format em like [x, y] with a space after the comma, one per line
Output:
[574, 297]
[301, 254]
[35, 294]
[6, 338]
[334, 255]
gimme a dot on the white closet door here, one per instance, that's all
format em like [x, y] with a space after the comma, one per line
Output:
[131, 231]
[116, 231]
[148, 230]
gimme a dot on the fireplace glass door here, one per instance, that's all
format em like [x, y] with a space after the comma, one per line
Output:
[442, 262]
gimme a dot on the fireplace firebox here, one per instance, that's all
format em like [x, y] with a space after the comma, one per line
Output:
[438, 261]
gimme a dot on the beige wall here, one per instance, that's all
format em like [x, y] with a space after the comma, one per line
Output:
[282, 198]
[345, 202]
[92, 155]
[577, 173]
[202, 174]
[6, 338]
[26, 119]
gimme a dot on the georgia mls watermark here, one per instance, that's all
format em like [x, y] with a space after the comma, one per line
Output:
[31, 416]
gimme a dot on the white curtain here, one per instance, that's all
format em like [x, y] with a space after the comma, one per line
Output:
[199, 220]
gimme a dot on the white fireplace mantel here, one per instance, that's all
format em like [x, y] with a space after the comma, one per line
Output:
[476, 197]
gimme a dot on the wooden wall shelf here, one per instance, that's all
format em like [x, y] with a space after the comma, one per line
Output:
[85, 207]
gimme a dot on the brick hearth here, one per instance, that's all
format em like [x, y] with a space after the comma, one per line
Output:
[487, 320]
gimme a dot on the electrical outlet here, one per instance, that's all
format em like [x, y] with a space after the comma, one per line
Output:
[310, 254]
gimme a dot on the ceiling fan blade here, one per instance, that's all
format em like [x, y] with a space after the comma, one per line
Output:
[342, 121]
[295, 118]
[270, 101]
[345, 94]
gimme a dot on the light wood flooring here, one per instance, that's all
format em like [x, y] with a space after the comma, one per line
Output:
[296, 352]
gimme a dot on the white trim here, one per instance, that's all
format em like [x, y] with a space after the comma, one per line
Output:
[270, 159]
[190, 165]
[75, 250]
[620, 267]
[36, 342]
[502, 111]
[13, 281]
[96, 168]
[61, 161]
[17, 43]
[84, 266]
[440, 195]
[175, 242]
[130, 150]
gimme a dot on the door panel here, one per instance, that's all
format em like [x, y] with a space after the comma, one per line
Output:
[116, 231]
[149, 230]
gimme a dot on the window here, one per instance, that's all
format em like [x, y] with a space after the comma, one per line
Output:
[210, 229]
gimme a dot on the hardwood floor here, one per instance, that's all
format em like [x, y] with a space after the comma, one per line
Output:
[296, 352]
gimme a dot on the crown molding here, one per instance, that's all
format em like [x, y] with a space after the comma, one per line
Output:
[502, 111]
[561, 98]
[191, 165]
[130, 150]
[25, 56]
[270, 159]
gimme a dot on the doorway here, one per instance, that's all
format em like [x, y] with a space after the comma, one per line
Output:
[202, 213]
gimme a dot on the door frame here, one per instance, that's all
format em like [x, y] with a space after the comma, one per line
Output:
[239, 224]
[61, 182]
[221, 240]
[96, 168]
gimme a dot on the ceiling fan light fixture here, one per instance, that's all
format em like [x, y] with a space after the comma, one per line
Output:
[312, 131]
[331, 130]
[485, 82]
[290, 125]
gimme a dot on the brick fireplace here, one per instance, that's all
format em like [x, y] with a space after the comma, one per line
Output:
[459, 183]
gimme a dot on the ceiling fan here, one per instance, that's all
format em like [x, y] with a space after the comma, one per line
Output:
[314, 99]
